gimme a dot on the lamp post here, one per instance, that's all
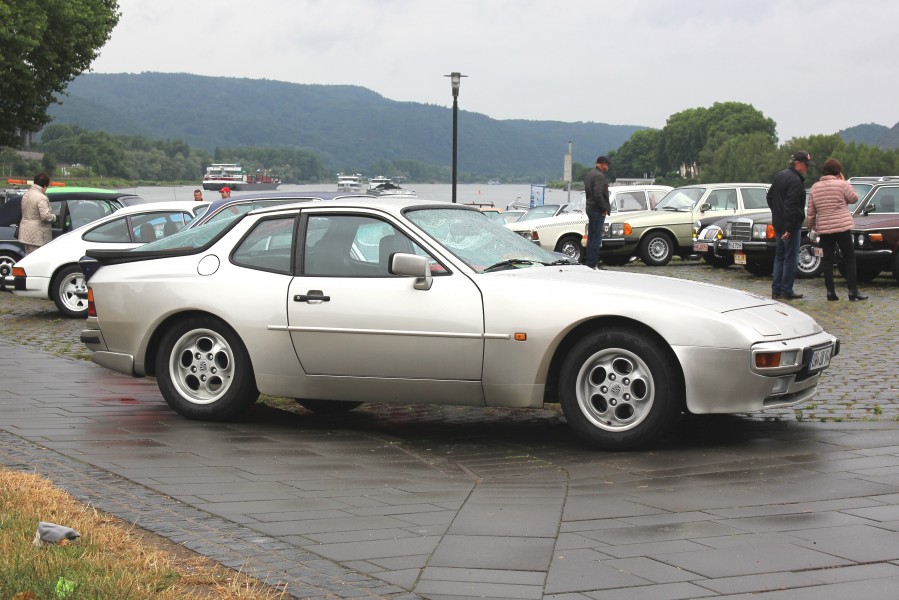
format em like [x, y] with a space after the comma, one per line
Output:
[456, 80]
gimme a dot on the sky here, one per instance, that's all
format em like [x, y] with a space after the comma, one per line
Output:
[814, 66]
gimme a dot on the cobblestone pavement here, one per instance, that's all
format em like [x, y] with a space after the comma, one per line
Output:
[448, 503]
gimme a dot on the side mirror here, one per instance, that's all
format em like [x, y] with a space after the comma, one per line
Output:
[706, 206]
[869, 209]
[412, 265]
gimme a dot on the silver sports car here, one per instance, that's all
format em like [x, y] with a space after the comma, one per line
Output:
[404, 300]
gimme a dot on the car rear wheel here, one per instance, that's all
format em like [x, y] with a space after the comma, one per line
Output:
[328, 407]
[614, 261]
[204, 370]
[719, 262]
[67, 291]
[863, 274]
[620, 389]
[656, 249]
[570, 246]
[810, 266]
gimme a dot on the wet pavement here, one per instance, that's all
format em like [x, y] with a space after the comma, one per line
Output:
[450, 503]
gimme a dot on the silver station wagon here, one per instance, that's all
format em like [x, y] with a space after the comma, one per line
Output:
[409, 301]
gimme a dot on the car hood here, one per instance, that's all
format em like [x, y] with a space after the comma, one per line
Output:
[649, 218]
[563, 220]
[875, 221]
[764, 315]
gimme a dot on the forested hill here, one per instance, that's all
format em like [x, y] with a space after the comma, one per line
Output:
[350, 127]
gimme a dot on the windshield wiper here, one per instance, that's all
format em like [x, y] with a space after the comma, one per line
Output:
[674, 209]
[512, 262]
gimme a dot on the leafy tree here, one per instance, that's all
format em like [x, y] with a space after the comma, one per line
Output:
[748, 157]
[44, 44]
[637, 156]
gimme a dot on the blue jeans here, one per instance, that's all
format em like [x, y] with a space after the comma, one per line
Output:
[595, 220]
[786, 261]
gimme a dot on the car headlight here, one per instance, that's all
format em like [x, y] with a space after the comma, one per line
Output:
[760, 231]
[620, 229]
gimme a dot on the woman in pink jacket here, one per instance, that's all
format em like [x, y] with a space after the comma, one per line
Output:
[829, 215]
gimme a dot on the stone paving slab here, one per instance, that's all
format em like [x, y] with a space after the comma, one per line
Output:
[452, 503]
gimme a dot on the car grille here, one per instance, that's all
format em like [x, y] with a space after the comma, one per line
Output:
[741, 231]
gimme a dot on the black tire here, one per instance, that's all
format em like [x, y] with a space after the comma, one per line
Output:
[570, 246]
[896, 266]
[204, 371]
[7, 260]
[620, 389]
[759, 268]
[65, 288]
[657, 249]
[810, 266]
[328, 407]
[867, 274]
[719, 262]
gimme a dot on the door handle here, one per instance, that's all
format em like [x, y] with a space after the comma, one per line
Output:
[312, 296]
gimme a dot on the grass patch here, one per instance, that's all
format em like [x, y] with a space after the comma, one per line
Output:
[112, 560]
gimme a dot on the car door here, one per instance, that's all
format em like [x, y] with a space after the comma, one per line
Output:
[348, 316]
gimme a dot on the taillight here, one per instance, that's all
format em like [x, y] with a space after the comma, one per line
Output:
[91, 307]
[18, 272]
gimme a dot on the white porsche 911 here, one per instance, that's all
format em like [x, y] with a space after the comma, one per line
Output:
[404, 300]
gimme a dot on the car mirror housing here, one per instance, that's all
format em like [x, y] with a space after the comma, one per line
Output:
[412, 265]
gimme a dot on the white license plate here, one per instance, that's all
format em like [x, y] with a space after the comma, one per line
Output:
[739, 258]
[820, 359]
[818, 251]
[700, 247]
[735, 245]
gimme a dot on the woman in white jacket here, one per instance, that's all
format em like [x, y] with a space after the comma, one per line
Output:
[828, 214]
[34, 228]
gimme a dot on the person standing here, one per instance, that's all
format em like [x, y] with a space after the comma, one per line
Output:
[786, 199]
[198, 196]
[35, 229]
[829, 215]
[596, 188]
[225, 192]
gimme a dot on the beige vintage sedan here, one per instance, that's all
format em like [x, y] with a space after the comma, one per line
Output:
[409, 301]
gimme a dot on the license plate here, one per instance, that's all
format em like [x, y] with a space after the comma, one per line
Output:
[700, 247]
[820, 359]
[735, 245]
[739, 258]
[818, 251]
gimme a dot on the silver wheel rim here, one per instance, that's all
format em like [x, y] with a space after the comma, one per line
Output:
[201, 366]
[808, 262]
[615, 390]
[658, 248]
[571, 249]
[69, 288]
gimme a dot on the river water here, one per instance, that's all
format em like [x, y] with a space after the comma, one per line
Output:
[500, 195]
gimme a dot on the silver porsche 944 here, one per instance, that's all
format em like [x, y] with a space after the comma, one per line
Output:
[404, 300]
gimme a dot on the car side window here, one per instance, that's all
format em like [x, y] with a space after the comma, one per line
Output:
[352, 246]
[268, 246]
[83, 212]
[154, 226]
[885, 200]
[115, 231]
[721, 200]
[754, 198]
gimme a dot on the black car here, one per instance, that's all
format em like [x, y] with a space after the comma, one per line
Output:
[876, 232]
[73, 207]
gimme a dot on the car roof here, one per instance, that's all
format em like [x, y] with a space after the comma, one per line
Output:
[252, 197]
[86, 193]
[391, 204]
[722, 185]
[183, 205]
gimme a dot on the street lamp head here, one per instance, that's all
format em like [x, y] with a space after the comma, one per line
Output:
[456, 81]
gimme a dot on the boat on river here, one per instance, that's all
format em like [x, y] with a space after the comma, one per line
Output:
[351, 184]
[233, 176]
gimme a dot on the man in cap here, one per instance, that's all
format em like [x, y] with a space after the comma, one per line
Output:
[225, 192]
[786, 199]
[596, 188]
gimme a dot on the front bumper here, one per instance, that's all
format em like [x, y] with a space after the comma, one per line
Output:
[740, 386]
[876, 258]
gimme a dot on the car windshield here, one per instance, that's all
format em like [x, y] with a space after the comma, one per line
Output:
[680, 199]
[190, 237]
[540, 212]
[483, 245]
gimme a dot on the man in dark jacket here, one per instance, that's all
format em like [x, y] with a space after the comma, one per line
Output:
[598, 208]
[786, 199]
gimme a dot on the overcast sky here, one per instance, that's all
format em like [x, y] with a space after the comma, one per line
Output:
[814, 66]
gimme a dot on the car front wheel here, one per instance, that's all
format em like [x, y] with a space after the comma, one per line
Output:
[759, 268]
[719, 262]
[620, 389]
[570, 246]
[656, 249]
[68, 292]
[7, 260]
[204, 370]
[810, 266]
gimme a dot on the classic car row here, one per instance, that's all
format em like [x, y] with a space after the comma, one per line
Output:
[750, 240]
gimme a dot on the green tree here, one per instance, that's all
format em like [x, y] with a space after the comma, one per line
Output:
[637, 156]
[44, 44]
[748, 157]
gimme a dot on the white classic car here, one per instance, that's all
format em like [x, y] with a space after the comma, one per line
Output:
[52, 271]
[564, 232]
[409, 301]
